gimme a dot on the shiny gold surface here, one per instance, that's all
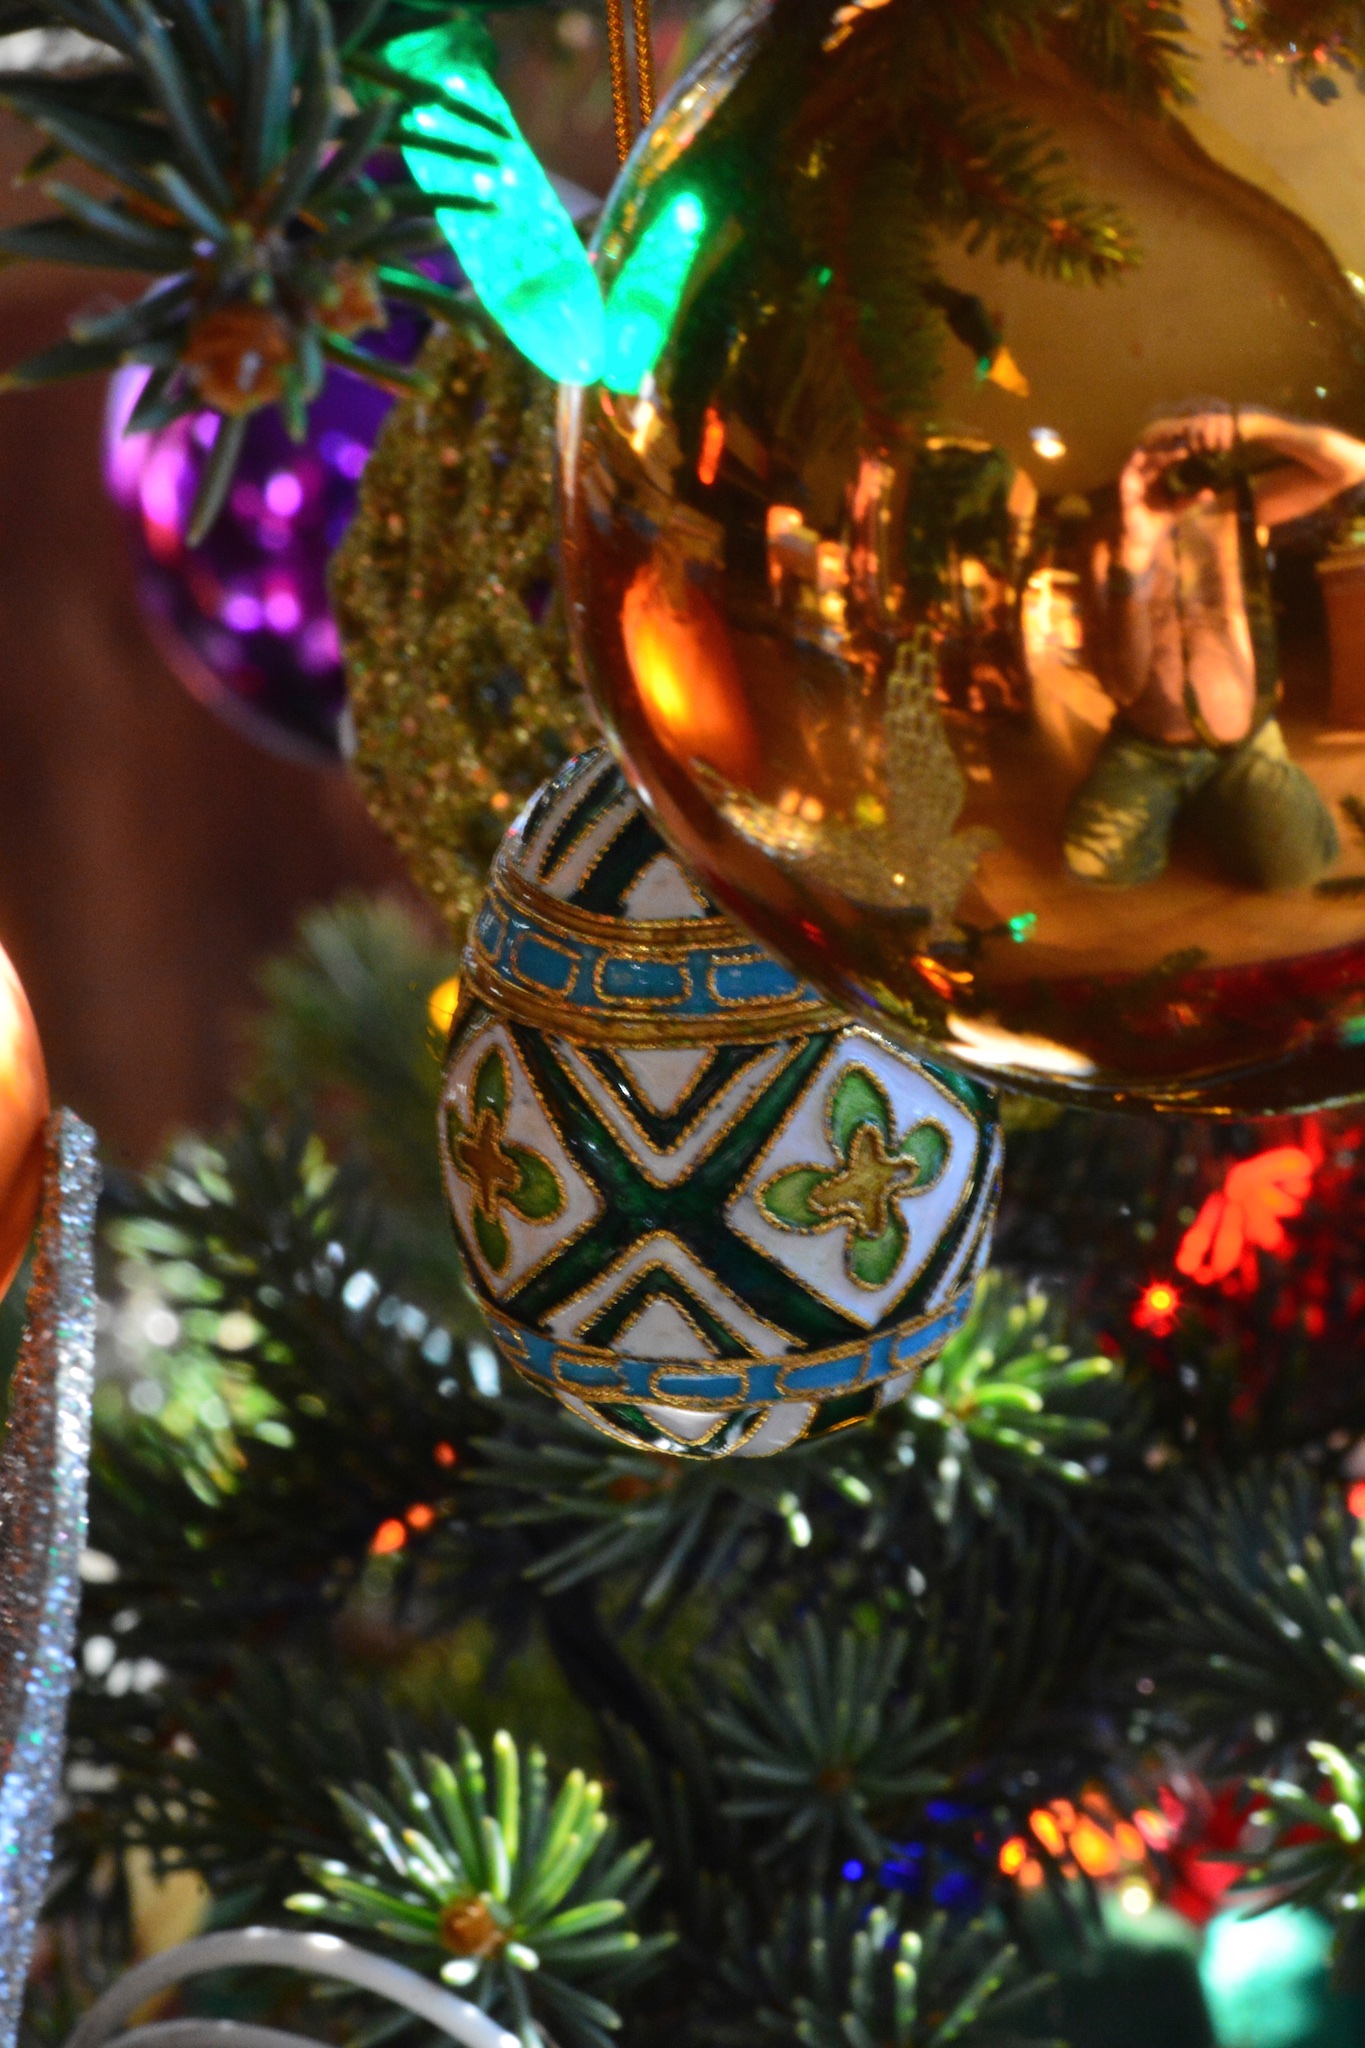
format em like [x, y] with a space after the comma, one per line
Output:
[972, 571]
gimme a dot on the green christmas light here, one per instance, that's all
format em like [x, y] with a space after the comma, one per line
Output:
[524, 258]
[646, 294]
[1267, 1980]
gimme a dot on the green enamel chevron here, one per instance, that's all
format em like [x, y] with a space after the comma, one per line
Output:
[664, 1130]
[658, 1283]
[692, 1212]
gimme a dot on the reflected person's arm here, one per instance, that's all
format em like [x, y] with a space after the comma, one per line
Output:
[1320, 464]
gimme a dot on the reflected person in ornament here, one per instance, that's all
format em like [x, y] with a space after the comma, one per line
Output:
[1189, 652]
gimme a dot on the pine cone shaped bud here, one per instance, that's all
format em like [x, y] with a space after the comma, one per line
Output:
[351, 302]
[237, 356]
[468, 1927]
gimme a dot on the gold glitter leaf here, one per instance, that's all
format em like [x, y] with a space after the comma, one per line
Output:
[446, 591]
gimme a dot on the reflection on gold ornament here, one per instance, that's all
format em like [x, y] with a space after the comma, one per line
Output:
[975, 582]
[898, 854]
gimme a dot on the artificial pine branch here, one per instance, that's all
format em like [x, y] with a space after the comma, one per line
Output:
[346, 1035]
[1256, 1598]
[522, 1900]
[274, 1261]
[1005, 1415]
[824, 1739]
[1310, 38]
[850, 1970]
[234, 159]
[1312, 1847]
[228, 1777]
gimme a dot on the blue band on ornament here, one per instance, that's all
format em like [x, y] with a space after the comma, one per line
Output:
[556, 971]
[558, 1367]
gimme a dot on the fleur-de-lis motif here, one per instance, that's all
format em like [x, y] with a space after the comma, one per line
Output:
[501, 1174]
[864, 1192]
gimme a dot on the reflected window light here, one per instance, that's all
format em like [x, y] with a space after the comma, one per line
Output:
[1016, 1052]
[1047, 443]
[712, 447]
[831, 565]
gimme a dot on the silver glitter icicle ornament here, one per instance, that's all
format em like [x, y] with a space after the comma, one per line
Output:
[42, 1533]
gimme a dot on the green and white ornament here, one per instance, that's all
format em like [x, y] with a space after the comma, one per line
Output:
[700, 1208]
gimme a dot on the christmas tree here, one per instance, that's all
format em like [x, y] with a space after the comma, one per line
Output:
[968, 1725]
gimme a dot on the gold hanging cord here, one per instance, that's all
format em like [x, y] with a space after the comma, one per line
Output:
[622, 100]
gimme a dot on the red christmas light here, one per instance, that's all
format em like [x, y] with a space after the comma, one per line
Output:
[1157, 1308]
[1246, 1215]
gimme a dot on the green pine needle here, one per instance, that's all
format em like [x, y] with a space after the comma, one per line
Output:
[847, 1971]
[231, 148]
[517, 1897]
[823, 1740]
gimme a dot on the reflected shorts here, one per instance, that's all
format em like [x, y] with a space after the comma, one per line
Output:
[1258, 812]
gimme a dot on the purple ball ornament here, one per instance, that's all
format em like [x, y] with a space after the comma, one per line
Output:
[244, 619]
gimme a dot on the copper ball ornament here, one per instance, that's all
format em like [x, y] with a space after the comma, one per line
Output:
[24, 1106]
[965, 541]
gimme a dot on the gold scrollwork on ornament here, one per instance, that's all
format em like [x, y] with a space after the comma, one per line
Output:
[651, 937]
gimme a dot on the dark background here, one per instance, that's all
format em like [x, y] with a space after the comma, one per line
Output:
[148, 855]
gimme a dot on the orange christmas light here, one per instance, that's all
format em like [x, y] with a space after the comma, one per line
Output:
[1089, 1837]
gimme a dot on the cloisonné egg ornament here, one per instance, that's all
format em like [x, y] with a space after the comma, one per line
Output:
[966, 536]
[700, 1208]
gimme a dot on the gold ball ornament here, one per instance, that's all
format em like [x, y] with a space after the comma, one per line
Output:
[966, 541]
[24, 1106]
[446, 594]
